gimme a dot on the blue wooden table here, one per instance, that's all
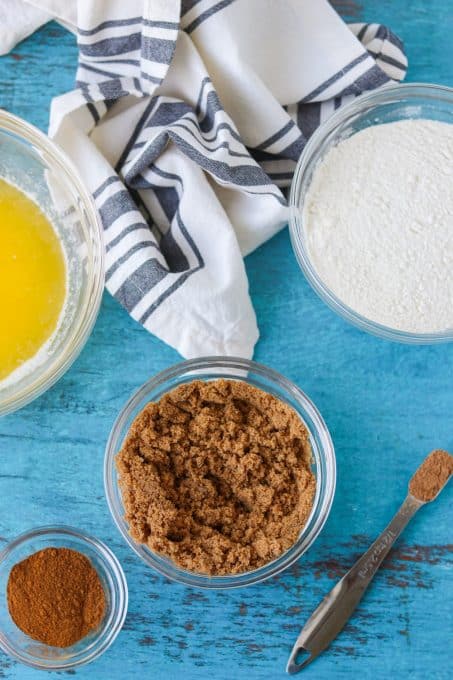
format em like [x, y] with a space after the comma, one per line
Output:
[386, 405]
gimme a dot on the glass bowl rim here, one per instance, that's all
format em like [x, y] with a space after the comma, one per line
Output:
[322, 504]
[358, 106]
[86, 317]
[116, 572]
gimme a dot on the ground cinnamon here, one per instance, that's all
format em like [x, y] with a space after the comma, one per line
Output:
[432, 475]
[55, 596]
[217, 476]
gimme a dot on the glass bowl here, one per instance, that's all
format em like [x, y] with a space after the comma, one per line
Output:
[36, 165]
[388, 104]
[21, 647]
[270, 381]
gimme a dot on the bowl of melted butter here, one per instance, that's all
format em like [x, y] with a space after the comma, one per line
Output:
[51, 263]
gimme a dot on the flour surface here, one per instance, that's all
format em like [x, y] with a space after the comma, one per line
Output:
[379, 223]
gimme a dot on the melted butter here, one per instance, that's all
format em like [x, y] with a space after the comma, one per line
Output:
[32, 279]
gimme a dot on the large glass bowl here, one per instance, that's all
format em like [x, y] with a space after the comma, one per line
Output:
[36, 654]
[36, 165]
[388, 104]
[270, 381]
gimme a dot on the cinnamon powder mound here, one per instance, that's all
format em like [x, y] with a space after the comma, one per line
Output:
[432, 475]
[56, 596]
[217, 477]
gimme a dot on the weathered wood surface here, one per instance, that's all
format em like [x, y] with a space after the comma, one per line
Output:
[385, 404]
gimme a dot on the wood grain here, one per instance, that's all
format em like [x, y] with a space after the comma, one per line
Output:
[385, 404]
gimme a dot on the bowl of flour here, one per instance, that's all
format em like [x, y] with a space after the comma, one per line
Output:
[372, 212]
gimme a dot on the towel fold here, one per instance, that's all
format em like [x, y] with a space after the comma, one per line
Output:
[186, 123]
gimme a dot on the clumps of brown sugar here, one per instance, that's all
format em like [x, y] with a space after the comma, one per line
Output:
[217, 476]
[432, 475]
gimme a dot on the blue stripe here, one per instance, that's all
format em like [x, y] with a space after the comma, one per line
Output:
[206, 15]
[212, 107]
[115, 206]
[392, 38]
[161, 24]
[168, 175]
[168, 199]
[204, 82]
[112, 89]
[362, 32]
[388, 60]
[177, 284]
[104, 185]
[135, 133]
[157, 49]
[90, 106]
[308, 118]
[92, 109]
[131, 62]
[168, 112]
[290, 152]
[186, 5]
[221, 126]
[85, 91]
[327, 83]
[109, 24]
[152, 79]
[112, 46]
[281, 175]
[174, 256]
[183, 278]
[242, 175]
[140, 282]
[135, 248]
[275, 137]
[127, 230]
[189, 239]
[223, 145]
[369, 80]
[277, 197]
[94, 69]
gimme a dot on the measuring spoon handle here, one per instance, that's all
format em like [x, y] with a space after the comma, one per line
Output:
[336, 608]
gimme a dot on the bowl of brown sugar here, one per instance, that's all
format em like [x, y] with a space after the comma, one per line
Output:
[219, 472]
[63, 598]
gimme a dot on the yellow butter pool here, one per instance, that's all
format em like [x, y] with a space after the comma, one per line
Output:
[32, 279]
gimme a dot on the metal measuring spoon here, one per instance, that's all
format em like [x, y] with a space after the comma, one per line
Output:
[335, 610]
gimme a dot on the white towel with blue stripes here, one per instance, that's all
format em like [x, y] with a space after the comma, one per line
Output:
[186, 123]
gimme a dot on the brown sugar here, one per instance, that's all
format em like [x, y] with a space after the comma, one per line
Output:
[55, 596]
[217, 477]
[432, 475]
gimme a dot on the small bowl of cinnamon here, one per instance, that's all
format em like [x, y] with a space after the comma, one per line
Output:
[63, 598]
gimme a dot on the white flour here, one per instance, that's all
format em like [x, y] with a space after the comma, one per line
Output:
[379, 223]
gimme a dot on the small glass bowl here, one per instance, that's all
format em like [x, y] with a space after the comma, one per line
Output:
[211, 368]
[385, 105]
[33, 163]
[20, 646]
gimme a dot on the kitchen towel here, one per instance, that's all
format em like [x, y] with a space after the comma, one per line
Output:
[186, 123]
